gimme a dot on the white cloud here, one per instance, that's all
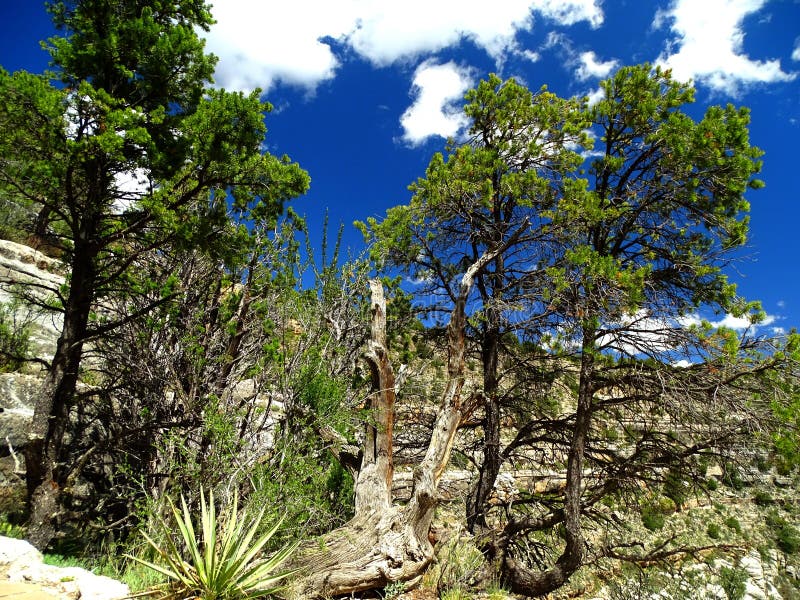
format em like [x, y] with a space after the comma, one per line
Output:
[436, 111]
[261, 43]
[569, 12]
[591, 67]
[641, 333]
[740, 323]
[709, 45]
[732, 322]
[529, 55]
[595, 96]
[796, 51]
[387, 32]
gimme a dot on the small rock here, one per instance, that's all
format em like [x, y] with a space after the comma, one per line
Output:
[22, 563]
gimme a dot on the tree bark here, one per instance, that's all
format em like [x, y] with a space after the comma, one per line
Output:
[530, 582]
[489, 469]
[383, 542]
[46, 475]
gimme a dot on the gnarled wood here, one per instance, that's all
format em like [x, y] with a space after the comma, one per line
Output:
[383, 543]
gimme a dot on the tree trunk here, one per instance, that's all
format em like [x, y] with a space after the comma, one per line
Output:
[383, 543]
[529, 582]
[477, 502]
[489, 469]
[45, 472]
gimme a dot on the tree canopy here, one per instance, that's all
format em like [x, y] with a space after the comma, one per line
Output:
[122, 148]
[562, 265]
[616, 221]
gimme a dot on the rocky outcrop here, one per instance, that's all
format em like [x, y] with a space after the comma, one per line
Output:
[17, 394]
[21, 563]
[40, 276]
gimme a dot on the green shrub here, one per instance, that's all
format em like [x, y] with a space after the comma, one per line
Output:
[12, 530]
[611, 434]
[732, 478]
[394, 589]
[15, 220]
[652, 517]
[712, 484]
[732, 523]
[762, 464]
[733, 582]
[763, 498]
[713, 531]
[676, 488]
[222, 565]
[15, 337]
[787, 537]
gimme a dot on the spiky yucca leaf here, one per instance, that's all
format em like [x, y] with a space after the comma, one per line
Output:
[222, 565]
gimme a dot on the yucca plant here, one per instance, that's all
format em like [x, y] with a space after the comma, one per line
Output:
[223, 565]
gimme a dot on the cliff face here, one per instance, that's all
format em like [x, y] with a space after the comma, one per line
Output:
[37, 275]
[24, 272]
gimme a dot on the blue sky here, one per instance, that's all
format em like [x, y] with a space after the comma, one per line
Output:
[365, 91]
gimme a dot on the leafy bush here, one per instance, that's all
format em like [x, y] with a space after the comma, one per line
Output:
[733, 582]
[15, 337]
[732, 523]
[394, 589]
[222, 566]
[653, 514]
[676, 487]
[762, 498]
[713, 531]
[787, 537]
[732, 478]
[15, 220]
[11, 530]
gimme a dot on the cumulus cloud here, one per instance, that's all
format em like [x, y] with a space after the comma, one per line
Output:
[386, 32]
[590, 67]
[261, 43]
[796, 51]
[595, 96]
[708, 45]
[569, 12]
[640, 333]
[739, 323]
[438, 90]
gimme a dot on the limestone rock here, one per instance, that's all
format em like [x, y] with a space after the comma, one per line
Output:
[17, 554]
[22, 563]
[17, 393]
[41, 276]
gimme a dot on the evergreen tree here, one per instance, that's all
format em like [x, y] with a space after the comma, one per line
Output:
[605, 262]
[123, 147]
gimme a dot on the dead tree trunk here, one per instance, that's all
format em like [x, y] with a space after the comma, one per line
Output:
[385, 542]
